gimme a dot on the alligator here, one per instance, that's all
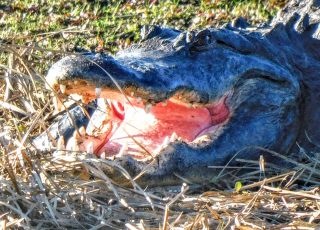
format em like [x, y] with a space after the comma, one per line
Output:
[170, 106]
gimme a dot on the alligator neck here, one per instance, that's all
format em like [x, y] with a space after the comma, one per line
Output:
[296, 32]
[301, 20]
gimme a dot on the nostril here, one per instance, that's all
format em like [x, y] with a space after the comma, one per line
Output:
[118, 109]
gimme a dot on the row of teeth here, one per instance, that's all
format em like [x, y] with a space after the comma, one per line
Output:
[98, 92]
[73, 145]
[58, 104]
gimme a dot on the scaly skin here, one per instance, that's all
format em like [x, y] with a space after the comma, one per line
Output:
[270, 74]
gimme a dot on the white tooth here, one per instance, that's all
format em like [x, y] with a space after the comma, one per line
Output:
[98, 92]
[82, 131]
[61, 143]
[123, 150]
[62, 88]
[165, 142]
[132, 93]
[148, 108]
[90, 148]
[163, 145]
[164, 103]
[173, 137]
[190, 105]
[86, 99]
[102, 104]
[69, 144]
[82, 98]
[57, 104]
[75, 146]
[103, 155]
[76, 139]
[90, 128]
[76, 135]
[139, 99]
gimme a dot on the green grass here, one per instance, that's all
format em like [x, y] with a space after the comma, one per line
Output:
[66, 194]
[60, 26]
[110, 25]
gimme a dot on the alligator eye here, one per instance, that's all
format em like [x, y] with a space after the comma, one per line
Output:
[201, 41]
[180, 41]
[189, 37]
[233, 40]
[148, 32]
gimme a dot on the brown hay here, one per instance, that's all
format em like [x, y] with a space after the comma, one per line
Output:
[71, 191]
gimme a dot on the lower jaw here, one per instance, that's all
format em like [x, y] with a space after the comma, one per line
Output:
[142, 134]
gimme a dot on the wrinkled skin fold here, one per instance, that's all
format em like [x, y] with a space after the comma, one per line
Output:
[253, 87]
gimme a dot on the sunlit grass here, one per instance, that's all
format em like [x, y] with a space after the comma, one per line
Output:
[114, 24]
[42, 191]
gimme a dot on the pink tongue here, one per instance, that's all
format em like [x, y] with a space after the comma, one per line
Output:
[151, 129]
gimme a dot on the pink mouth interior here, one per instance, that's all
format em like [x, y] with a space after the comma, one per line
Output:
[127, 128]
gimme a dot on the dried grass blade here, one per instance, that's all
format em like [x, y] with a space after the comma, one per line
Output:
[287, 192]
[13, 108]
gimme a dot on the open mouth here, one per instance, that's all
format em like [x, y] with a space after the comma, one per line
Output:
[131, 126]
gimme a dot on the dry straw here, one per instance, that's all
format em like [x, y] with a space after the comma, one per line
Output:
[71, 191]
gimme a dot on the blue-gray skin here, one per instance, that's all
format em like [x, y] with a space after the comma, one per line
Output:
[272, 72]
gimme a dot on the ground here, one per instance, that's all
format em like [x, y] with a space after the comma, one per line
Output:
[70, 191]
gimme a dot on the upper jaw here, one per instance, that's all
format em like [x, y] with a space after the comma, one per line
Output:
[93, 76]
[99, 75]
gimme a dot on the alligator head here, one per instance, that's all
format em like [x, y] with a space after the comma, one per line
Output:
[179, 102]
